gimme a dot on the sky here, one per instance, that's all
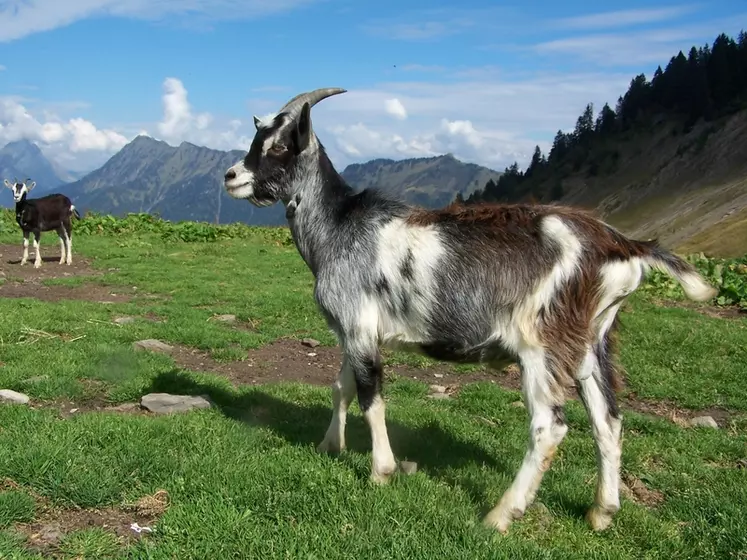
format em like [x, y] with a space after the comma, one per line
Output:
[483, 80]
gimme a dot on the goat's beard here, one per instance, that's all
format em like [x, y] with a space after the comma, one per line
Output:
[260, 203]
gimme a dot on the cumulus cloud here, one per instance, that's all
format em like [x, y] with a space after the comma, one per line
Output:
[395, 108]
[19, 18]
[180, 123]
[64, 138]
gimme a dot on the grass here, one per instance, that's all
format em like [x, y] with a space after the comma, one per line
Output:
[243, 477]
[726, 237]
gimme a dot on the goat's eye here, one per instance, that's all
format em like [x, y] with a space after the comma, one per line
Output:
[277, 149]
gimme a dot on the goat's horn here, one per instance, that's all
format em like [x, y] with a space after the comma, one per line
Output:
[311, 97]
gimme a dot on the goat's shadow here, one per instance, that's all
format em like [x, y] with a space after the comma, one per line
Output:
[30, 261]
[436, 451]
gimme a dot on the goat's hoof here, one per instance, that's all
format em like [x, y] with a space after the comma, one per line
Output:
[37, 265]
[599, 518]
[62, 262]
[381, 478]
[500, 518]
[330, 446]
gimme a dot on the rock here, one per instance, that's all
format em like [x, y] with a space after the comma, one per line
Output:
[518, 404]
[225, 318]
[124, 320]
[704, 422]
[437, 389]
[310, 342]
[9, 396]
[408, 467]
[152, 345]
[438, 375]
[164, 403]
[438, 396]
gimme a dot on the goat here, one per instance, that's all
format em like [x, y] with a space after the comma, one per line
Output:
[51, 212]
[537, 285]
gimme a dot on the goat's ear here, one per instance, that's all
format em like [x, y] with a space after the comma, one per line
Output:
[302, 130]
[31, 185]
[7, 184]
[257, 122]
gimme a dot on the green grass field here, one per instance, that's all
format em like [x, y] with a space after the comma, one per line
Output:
[242, 479]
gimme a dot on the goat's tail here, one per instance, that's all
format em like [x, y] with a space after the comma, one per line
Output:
[694, 285]
[74, 211]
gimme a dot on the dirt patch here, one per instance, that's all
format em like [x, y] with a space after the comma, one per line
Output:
[10, 263]
[47, 531]
[288, 360]
[672, 412]
[636, 491]
[708, 310]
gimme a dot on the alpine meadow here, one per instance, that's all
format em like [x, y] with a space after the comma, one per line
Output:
[249, 354]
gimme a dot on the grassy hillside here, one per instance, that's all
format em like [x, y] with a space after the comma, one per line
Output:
[669, 161]
[82, 460]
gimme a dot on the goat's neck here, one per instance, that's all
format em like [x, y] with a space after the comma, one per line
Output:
[316, 199]
[21, 203]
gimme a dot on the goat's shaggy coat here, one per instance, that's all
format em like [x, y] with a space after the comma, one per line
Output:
[539, 285]
[35, 215]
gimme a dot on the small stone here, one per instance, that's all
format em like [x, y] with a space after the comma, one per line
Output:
[311, 354]
[438, 396]
[9, 396]
[704, 422]
[35, 379]
[437, 389]
[152, 345]
[438, 375]
[225, 318]
[124, 407]
[518, 404]
[310, 342]
[164, 403]
[408, 467]
[124, 320]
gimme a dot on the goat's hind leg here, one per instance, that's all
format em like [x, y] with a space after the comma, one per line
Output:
[343, 391]
[544, 402]
[597, 394]
[63, 244]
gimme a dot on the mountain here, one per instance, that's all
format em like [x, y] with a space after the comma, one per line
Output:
[431, 182]
[670, 161]
[22, 159]
[186, 183]
[178, 183]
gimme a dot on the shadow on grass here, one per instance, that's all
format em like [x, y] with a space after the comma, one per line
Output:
[436, 451]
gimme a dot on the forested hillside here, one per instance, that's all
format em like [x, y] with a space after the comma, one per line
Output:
[673, 148]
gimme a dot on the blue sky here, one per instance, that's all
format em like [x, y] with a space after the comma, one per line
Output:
[483, 80]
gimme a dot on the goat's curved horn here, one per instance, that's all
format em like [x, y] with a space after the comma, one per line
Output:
[312, 98]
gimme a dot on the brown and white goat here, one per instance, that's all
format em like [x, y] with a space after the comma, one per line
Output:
[539, 285]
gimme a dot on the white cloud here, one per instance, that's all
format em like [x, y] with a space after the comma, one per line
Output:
[19, 18]
[71, 139]
[395, 108]
[636, 48]
[622, 18]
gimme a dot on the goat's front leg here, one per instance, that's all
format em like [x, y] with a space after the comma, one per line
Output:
[37, 256]
[25, 248]
[369, 378]
[343, 391]
[547, 429]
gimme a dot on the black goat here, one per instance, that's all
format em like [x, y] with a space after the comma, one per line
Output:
[51, 212]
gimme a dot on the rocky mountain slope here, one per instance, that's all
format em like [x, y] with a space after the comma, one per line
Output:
[22, 159]
[186, 183]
